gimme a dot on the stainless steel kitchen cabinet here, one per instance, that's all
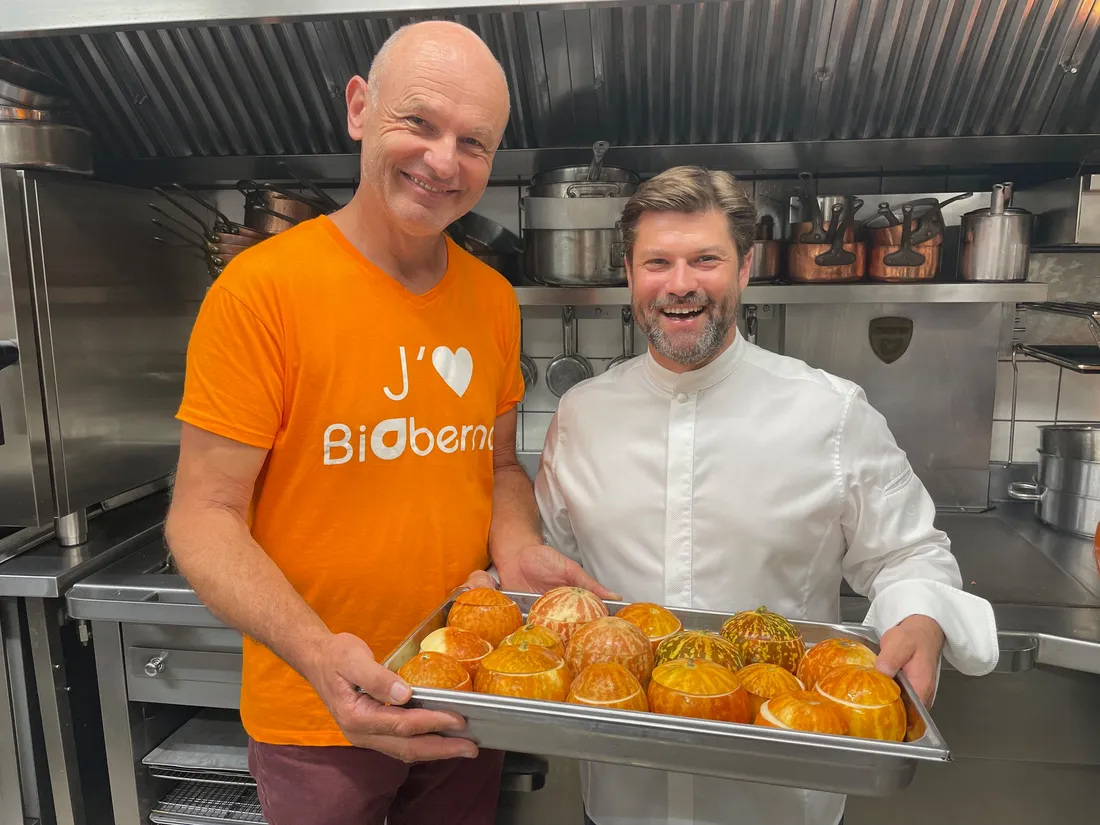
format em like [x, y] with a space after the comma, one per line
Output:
[95, 315]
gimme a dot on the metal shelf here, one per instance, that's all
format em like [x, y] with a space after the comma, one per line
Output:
[1078, 359]
[943, 156]
[1083, 359]
[858, 293]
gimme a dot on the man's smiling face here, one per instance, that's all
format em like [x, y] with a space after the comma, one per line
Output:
[430, 127]
[686, 281]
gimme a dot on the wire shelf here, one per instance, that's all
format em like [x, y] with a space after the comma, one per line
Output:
[1082, 359]
[191, 803]
[220, 777]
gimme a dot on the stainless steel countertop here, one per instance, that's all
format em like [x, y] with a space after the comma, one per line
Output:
[49, 570]
[1008, 557]
[1046, 598]
[1043, 585]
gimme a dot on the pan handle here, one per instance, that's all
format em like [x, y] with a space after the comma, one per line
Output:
[568, 331]
[949, 201]
[324, 196]
[906, 255]
[180, 207]
[592, 190]
[1026, 491]
[201, 202]
[183, 227]
[837, 255]
[197, 244]
[628, 332]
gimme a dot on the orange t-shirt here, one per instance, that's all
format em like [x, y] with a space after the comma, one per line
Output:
[377, 407]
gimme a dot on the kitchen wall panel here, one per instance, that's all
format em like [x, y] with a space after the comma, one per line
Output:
[1046, 393]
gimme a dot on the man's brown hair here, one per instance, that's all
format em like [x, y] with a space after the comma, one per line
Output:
[691, 190]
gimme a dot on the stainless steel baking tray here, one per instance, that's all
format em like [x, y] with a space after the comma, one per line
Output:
[860, 767]
[209, 741]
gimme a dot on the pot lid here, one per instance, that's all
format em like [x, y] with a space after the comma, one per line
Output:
[579, 174]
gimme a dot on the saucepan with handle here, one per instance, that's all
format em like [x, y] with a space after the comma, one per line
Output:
[569, 368]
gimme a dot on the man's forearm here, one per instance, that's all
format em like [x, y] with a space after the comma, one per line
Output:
[515, 523]
[241, 585]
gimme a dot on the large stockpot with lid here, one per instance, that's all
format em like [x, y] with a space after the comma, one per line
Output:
[996, 240]
[574, 241]
[592, 181]
[571, 229]
[1066, 490]
[573, 182]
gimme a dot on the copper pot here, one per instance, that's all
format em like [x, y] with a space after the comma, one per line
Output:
[271, 210]
[881, 271]
[803, 264]
[274, 212]
[765, 255]
[815, 230]
[804, 227]
[765, 262]
[836, 260]
[900, 260]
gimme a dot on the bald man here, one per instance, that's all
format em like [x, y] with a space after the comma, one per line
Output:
[347, 453]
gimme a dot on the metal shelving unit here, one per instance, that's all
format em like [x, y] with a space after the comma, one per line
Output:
[1083, 359]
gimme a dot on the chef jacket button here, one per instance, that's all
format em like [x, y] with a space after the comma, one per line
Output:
[682, 397]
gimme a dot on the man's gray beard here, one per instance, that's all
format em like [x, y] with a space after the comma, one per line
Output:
[703, 348]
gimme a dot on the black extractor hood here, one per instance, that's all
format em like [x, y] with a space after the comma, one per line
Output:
[780, 84]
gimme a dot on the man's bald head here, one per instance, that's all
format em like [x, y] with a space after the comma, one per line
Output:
[440, 38]
[430, 117]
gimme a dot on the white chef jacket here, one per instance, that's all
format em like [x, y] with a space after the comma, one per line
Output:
[755, 480]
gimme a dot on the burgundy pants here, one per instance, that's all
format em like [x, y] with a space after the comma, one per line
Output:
[354, 786]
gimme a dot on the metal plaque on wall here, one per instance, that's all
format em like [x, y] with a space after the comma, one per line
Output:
[890, 337]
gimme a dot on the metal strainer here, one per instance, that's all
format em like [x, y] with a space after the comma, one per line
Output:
[569, 368]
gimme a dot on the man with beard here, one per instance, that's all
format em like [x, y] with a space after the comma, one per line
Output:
[712, 474]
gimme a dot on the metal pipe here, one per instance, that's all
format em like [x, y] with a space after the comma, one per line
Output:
[72, 529]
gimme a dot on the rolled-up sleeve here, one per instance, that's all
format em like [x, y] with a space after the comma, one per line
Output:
[896, 555]
[557, 528]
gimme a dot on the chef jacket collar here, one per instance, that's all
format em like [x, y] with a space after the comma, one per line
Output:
[694, 380]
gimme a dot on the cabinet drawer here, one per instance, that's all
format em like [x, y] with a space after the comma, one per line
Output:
[167, 675]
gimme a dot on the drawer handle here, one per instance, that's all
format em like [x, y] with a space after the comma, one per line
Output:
[155, 665]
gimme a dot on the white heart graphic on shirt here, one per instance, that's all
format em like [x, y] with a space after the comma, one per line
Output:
[455, 368]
